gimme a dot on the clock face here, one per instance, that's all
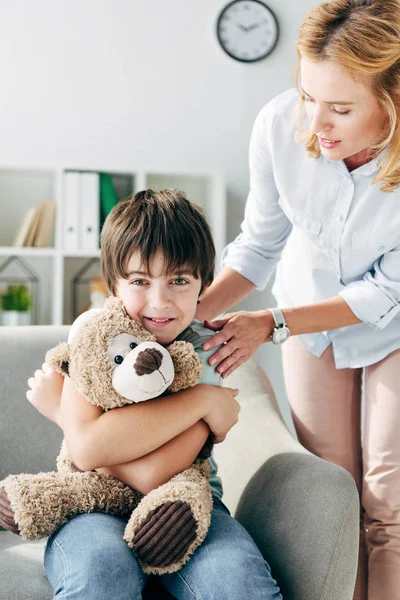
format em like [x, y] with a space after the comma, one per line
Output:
[247, 30]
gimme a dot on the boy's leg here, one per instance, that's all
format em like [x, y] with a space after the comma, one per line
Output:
[88, 559]
[227, 566]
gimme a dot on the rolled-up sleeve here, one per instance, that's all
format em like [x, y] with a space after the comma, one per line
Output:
[376, 298]
[265, 229]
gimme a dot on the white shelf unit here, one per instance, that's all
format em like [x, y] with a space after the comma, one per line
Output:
[21, 187]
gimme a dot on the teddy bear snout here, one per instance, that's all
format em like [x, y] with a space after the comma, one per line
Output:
[148, 361]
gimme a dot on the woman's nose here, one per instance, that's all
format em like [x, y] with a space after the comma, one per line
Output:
[319, 122]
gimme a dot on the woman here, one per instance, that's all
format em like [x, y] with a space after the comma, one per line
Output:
[324, 201]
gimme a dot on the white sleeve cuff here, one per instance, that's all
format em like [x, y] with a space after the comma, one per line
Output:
[370, 304]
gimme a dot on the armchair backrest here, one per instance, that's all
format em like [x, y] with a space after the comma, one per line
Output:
[28, 442]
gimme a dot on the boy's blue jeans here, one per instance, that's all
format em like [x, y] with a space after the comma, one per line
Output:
[87, 559]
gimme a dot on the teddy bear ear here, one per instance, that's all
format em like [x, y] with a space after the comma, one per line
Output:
[114, 303]
[187, 365]
[59, 357]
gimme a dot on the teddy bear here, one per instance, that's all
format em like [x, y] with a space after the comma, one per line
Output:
[113, 361]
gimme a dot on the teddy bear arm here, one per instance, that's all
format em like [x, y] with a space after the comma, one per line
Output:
[43, 502]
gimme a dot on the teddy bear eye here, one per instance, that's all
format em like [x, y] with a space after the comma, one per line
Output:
[132, 345]
[118, 359]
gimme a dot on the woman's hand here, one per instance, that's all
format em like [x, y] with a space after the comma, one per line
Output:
[45, 392]
[241, 333]
[224, 411]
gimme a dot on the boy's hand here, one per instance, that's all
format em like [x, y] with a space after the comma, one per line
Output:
[224, 412]
[45, 393]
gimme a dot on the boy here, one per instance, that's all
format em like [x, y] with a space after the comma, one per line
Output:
[158, 257]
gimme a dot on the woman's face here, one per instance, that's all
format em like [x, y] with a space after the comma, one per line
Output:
[343, 113]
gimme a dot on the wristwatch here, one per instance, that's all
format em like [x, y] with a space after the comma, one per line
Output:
[281, 331]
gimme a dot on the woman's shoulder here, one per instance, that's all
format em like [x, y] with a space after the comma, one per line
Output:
[276, 121]
[283, 105]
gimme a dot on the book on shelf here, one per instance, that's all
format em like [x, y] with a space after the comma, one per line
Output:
[45, 232]
[37, 227]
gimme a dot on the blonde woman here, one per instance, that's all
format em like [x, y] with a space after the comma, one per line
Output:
[324, 203]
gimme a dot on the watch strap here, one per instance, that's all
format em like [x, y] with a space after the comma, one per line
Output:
[278, 316]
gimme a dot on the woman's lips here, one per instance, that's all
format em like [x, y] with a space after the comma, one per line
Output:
[328, 144]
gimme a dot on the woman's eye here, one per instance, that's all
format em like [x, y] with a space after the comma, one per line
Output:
[132, 345]
[118, 359]
[341, 112]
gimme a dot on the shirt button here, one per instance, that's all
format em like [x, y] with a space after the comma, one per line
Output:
[382, 248]
[340, 218]
[334, 250]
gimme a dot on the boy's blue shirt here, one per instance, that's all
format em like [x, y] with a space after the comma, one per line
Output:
[196, 333]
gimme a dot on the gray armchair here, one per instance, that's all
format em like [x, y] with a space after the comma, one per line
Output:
[302, 511]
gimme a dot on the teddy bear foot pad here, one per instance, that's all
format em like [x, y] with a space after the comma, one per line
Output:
[6, 513]
[165, 535]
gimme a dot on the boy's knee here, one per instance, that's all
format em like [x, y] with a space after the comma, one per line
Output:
[89, 553]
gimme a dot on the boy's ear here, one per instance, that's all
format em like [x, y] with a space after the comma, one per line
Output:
[59, 358]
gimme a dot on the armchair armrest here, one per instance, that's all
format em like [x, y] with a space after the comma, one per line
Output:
[302, 511]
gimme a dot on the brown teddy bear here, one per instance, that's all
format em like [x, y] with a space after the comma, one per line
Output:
[114, 361]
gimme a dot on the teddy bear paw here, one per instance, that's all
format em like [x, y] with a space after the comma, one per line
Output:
[165, 535]
[7, 520]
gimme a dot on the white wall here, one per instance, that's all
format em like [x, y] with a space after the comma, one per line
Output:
[131, 84]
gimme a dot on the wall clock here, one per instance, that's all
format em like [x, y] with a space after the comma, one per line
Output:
[247, 30]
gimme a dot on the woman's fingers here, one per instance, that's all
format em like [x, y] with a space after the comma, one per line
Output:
[232, 368]
[228, 362]
[217, 324]
[226, 350]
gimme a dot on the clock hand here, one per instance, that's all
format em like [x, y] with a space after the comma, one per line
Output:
[251, 27]
[242, 27]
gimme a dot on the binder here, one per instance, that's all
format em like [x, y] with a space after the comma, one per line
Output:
[89, 211]
[108, 196]
[71, 203]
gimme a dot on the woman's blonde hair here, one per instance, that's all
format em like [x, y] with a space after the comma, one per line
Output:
[363, 36]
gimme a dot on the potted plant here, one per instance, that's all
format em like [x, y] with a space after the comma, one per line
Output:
[15, 304]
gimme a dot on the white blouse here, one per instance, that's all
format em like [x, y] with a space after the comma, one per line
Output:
[331, 231]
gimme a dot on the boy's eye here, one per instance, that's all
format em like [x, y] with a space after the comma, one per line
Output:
[138, 282]
[180, 281]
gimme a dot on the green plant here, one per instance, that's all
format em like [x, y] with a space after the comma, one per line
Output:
[16, 297]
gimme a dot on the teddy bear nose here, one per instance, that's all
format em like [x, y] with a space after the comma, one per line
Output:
[148, 361]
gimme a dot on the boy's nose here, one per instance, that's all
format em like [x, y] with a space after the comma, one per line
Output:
[159, 301]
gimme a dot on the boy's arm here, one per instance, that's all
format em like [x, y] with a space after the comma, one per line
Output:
[100, 439]
[154, 469]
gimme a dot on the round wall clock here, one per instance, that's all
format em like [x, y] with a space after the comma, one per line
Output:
[247, 30]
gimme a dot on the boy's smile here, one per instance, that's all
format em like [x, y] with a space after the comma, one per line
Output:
[164, 303]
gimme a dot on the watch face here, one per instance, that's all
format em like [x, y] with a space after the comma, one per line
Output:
[247, 30]
[281, 335]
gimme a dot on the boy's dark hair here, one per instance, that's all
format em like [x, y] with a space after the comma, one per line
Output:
[151, 221]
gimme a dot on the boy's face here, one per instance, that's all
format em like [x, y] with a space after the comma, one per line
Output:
[164, 303]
